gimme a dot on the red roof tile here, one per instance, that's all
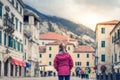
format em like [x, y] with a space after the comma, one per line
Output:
[113, 22]
[54, 36]
[84, 49]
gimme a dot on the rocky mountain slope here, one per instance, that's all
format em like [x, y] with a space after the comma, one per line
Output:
[65, 27]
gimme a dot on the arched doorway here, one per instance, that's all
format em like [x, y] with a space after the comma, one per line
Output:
[6, 68]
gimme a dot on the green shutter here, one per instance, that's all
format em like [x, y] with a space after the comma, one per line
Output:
[20, 27]
[87, 55]
[5, 37]
[16, 24]
[40, 55]
[50, 55]
[50, 63]
[18, 46]
[87, 64]
[78, 55]
[102, 43]
[0, 10]
[14, 44]
[103, 58]
[0, 37]
[12, 2]
[10, 41]
[50, 48]
[103, 30]
[17, 5]
[68, 48]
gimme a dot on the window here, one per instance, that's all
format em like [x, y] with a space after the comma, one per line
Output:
[12, 17]
[50, 48]
[21, 47]
[118, 33]
[102, 43]
[5, 38]
[25, 41]
[50, 63]
[50, 55]
[115, 57]
[0, 37]
[103, 58]
[103, 30]
[26, 19]
[112, 39]
[14, 43]
[20, 27]
[25, 56]
[78, 55]
[12, 2]
[18, 46]
[87, 55]
[10, 41]
[0, 10]
[77, 63]
[16, 24]
[21, 10]
[17, 5]
[40, 55]
[68, 48]
[87, 63]
[43, 43]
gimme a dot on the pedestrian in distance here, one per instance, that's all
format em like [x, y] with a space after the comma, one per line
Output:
[81, 73]
[86, 73]
[63, 63]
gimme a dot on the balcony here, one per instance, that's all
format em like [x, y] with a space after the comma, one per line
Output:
[9, 25]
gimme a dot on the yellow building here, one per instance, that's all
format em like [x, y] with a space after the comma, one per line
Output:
[115, 46]
[103, 41]
[82, 55]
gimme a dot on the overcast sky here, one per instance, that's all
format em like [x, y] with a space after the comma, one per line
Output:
[87, 12]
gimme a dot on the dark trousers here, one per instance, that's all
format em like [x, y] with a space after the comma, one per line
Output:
[63, 77]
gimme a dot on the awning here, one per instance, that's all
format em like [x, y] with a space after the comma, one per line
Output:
[28, 65]
[18, 62]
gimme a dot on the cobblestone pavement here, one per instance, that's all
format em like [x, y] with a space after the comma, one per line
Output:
[40, 78]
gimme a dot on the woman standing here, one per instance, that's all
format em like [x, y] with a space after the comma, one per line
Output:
[63, 63]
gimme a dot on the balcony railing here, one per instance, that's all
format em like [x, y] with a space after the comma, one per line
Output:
[9, 25]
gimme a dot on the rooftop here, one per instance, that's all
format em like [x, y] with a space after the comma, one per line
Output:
[113, 22]
[54, 36]
[84, 49]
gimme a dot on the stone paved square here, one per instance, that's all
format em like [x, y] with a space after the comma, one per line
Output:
[40, 78]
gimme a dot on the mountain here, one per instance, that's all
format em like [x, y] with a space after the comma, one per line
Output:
[62, 26]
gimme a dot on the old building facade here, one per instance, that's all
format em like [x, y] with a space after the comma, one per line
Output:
[11, 38]
[103, 40]
[82, 55]
[115, 47]
[31, 39]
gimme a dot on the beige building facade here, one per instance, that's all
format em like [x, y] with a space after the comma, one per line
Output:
[11, 38]
[103, 40]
